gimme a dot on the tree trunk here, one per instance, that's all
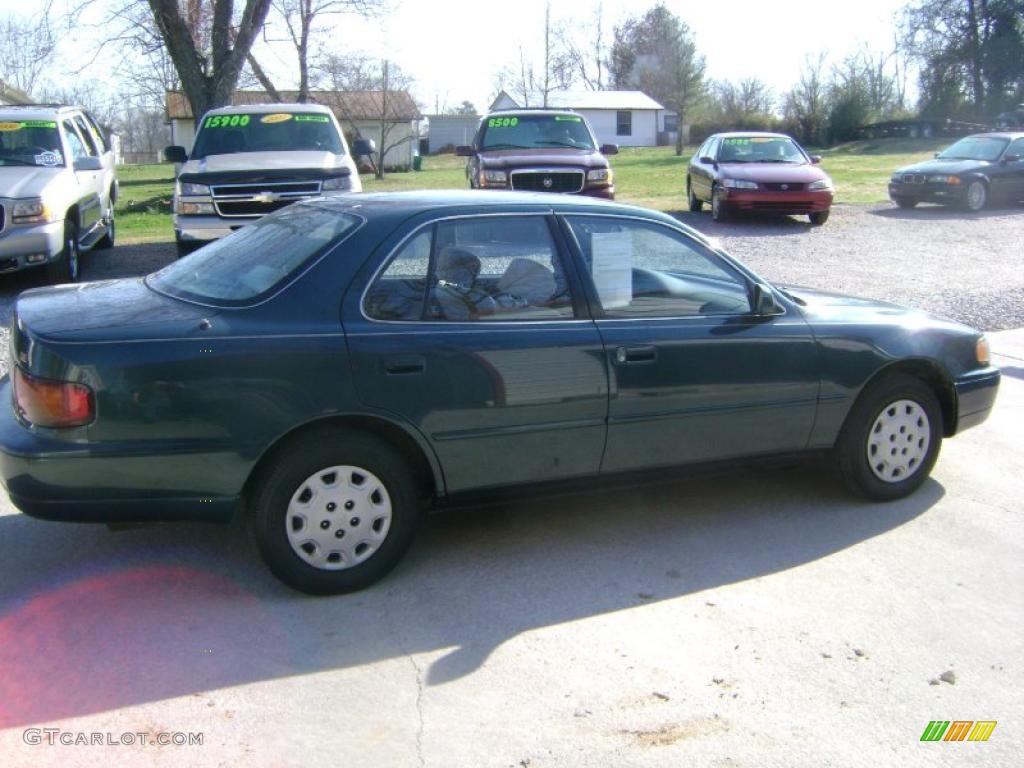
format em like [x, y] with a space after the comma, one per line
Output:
[977, 83]
[383, 123]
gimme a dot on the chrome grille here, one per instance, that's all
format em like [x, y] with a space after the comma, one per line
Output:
[258, 199]
[548, 180]
[913, 178]
[784, 187]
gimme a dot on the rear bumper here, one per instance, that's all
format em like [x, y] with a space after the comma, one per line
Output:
[975, 396]
[784, 203]
[68, 481]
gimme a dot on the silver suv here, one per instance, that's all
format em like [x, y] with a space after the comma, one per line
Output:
[57, 189]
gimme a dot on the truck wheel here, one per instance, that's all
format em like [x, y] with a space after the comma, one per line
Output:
[184, 247]
[64, 269]
[335, 512]
[107, 241]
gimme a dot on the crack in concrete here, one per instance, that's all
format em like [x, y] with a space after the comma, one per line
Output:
[419, 709]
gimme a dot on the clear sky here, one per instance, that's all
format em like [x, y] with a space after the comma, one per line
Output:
[453, 48]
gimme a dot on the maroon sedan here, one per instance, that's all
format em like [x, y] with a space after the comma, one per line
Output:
[764, 172]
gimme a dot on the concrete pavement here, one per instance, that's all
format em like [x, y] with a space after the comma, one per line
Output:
[757, 619]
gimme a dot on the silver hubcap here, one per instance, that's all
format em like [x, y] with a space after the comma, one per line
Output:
[338, 517]
[72, 246]
[898, 441]
[976, 196]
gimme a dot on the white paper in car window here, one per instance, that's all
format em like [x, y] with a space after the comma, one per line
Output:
[612, 267]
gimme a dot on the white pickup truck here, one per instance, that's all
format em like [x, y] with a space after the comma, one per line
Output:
[57, 189]
[248, 161]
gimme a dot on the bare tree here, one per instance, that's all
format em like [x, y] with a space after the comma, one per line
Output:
[26, 48]
[210, 74]
[806, 104]
[587, 58]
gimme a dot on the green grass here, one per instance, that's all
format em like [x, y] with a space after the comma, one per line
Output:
[653, 177]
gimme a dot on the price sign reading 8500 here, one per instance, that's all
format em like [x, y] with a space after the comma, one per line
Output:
[503, 122]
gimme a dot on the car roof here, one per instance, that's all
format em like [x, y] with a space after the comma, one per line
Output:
[997, 135]
[746, 134]
[535, 111]
[37, 111]
[260, 109]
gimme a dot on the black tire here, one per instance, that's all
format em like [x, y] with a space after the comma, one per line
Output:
[903, 202]
[719, 210]
[864, 427]
[696, 206]
[67, 266]
[185, 247]
[975, 196]
[283, 481]
[819, 217]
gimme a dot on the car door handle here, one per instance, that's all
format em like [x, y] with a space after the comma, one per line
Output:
[628, 355]
[404, 365]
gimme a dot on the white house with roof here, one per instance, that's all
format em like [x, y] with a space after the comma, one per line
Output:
[626, 118]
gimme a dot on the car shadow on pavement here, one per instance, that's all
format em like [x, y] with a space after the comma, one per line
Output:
[92, 621]
[944, 213]
[753, 224]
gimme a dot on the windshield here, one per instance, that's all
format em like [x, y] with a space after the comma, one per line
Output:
[535, 132]
[760, 149]
[255, 260]
[30, 142]
[279, 132]
[975, 148]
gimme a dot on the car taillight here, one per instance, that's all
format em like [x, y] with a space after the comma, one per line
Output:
[50, 403]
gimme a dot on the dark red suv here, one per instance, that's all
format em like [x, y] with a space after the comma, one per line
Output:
[539, 151]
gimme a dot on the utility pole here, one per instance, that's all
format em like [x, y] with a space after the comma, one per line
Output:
[383, 123]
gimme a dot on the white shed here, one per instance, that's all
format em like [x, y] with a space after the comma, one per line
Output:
[626, 118]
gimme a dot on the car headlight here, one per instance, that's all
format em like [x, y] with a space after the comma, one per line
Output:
[337, 184]
[825, 183]
[493, 177]
[190, 189]
[30, 212]
[600, 174]
[941, 178]
[193, 208]
[738, 184]
[896, 178]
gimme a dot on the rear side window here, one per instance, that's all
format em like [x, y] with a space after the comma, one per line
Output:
[485, 269]
[75, 143]
[254, 261]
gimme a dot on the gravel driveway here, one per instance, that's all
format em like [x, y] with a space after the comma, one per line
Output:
[966, 267]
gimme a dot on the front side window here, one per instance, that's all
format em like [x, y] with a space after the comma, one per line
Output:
[489, 268]
[534, 131]
[624, 123]
[255, 260]
[30, 142]
[1016, 148]
[643, 269]
[276, 132]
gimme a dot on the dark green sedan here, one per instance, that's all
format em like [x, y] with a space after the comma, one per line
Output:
[340, 366]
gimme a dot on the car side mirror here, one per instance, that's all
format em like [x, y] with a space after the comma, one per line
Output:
[175, 154]
[815, 159]
[707, 160]
[88, 164]
[464, 151]
[762, 301]
[1011, 158]
[363, 147]
[609, 149]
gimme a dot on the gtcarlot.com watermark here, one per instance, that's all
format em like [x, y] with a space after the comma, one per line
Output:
[55, 736]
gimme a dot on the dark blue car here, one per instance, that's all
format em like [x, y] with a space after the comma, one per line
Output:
[341, 365]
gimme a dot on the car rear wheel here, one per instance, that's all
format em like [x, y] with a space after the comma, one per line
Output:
[695, 204]
[335, 512]
[64, 269]
[107, 241]
[891, 438]
[818, 217]
[719, 212]
[976, 196]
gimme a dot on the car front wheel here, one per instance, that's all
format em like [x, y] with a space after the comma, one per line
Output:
[695, 204]
[818, 218]
[976, 196]
[891, 438]
[904, 202]
[335, 512]
[719, 212]
[64, 269]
